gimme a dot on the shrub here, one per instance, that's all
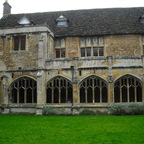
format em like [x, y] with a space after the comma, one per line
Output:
[87, 112]
[47, 110]
[136, 108]
[127, 109]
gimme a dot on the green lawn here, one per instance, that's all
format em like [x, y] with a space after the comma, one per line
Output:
[16, 129]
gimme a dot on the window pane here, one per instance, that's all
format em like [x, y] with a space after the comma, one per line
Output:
[88, 51]
[16, 43]
[62, 23]
[57, 43]
[57, 53]
[95, 51]
[82, 42]
[23, 40]
[100, 41]
[101, 52]
[63, 43]
[62, 52]
[95, 41]
[88, 41]
[82, 52]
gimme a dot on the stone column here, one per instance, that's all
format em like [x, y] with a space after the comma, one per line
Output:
[110, 81]
[41, 91]
[76, 99]
[142, 57]
[41, 86]
[5, 93]
[74, 70]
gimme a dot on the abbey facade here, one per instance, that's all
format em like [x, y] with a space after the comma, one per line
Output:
[80, 59]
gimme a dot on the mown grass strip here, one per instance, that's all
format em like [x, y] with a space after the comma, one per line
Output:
[16, 129]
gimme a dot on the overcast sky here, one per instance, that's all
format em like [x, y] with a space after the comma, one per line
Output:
[31, 6]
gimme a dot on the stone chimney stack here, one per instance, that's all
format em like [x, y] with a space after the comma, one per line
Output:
[6, 8]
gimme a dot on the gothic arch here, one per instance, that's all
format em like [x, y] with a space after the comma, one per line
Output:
[93, 89]
[128, 88]
[23, 90]
[59, 90]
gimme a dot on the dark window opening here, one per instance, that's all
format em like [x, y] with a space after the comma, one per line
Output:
[23, 90]
[93, 90]
[60, 48]
[92, 46]
[128, 89]
[59, 90]
[19, 43]
[82, 52]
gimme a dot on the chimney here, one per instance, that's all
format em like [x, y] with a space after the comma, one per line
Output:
[6, 8]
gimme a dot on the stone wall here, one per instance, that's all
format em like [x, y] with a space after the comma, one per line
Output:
[123, 45]
[122, 55]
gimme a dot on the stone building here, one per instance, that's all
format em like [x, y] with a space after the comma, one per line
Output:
[71, 59]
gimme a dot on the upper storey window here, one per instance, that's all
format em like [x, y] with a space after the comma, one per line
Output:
[24, 21]
[142, 19]
[60, 48]
[61, 21]
[92, 46]
[19, 43]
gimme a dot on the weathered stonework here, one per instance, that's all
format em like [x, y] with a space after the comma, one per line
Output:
[20, 70]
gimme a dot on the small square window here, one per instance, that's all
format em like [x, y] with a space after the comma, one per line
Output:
[88, 51]
[82, 52]
[62, 53]
[101, 51]
[60, 48]
[57, 53]
[95, 51]
[19, 43]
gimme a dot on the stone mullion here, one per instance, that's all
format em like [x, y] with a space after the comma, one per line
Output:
[66, 88]
[128, 86]
[100, 91]
[52, 91]
[59, 93]
[32, 92]
[86, 92]
[18, 92]
[25, 92]
[93, 90]
[135, 90]
[120, 92]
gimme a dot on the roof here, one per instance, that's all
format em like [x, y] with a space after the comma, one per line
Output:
[85, 22]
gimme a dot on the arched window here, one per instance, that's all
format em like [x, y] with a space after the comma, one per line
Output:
[93, 90]
[59, 90]
[23, 90]
[128, 89]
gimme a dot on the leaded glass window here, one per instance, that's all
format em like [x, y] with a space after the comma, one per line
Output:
[128, 89]
[59, 90]
[92, 46]
[23, 90]
[93, 90]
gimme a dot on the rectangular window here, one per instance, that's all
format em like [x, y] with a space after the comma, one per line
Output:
[60, 48]
[88, 51]
[92, 46]
[19, 43]
[82, 52]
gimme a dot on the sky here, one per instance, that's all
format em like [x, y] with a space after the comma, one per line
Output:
[31, 6]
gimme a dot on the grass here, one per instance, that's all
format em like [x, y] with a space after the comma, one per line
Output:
[16, 129]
